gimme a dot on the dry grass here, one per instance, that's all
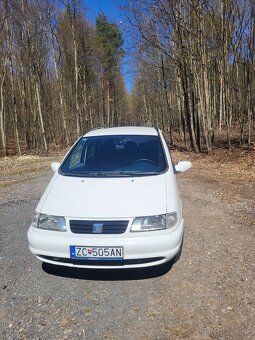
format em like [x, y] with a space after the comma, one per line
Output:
[15, 170]
[230, 173]
[230, 166]
[13, 166]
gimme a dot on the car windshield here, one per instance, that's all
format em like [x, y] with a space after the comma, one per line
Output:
[127, 155]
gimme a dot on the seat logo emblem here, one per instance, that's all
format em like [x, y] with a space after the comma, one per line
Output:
[98, 228]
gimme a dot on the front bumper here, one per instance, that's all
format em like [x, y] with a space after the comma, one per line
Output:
[141, 249]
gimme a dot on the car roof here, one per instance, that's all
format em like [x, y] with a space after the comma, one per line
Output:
[124, 130]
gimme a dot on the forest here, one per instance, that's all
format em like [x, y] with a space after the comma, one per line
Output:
[60, 75]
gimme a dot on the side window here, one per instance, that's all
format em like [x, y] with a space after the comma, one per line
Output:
[76, 157]
[92, 151]
[167, 149]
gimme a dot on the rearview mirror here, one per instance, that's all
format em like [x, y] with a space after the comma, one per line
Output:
[54, 166]
[182, 166]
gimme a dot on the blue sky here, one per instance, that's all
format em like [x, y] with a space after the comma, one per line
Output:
[111, 9]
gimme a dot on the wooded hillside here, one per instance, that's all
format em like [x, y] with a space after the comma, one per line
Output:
[60, 75]
[196, 68]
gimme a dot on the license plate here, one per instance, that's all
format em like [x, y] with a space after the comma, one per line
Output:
[96, 253]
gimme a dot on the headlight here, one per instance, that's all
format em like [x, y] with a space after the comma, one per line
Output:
[48, 222]
[158, 222]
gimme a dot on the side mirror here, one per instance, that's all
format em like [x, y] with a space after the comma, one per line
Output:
[54, 166]
[182, 166]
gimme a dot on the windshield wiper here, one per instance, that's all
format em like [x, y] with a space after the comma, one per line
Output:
[122, 173]
[73, 174]
[106, 174]
[149, 173]
[128, 173]
[114, 173]
[111, 174]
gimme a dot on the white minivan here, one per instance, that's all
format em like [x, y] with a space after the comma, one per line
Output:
[113, 202]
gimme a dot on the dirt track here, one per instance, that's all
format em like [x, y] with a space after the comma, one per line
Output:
[208, 294]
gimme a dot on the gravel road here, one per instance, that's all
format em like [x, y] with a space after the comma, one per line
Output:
[208, 294]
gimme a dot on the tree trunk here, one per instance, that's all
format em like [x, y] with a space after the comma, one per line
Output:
[76, 72]
[13, 95]
[38, 97]
[251, 102]
[108, 102]
[188, 108]
[61, 99]
[167, 100]
[14, 112]
[2, 125]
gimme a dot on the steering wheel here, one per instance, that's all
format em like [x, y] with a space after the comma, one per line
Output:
[145, 160]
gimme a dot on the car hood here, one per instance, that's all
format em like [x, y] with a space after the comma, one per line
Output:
[104, 197]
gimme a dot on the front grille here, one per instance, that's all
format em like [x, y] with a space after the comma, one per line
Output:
[88, 227]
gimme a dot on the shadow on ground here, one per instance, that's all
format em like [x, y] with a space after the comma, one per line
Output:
[107, 274]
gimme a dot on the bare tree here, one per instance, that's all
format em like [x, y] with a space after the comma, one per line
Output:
[207, 50]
